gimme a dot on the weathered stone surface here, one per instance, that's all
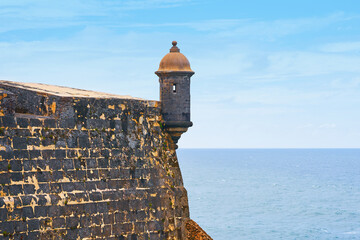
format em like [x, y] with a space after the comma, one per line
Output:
[86, 166]
[195, 232]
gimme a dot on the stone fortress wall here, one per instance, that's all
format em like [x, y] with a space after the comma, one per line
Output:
[77, 164]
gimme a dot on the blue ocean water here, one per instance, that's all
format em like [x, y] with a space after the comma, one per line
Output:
[274, 193]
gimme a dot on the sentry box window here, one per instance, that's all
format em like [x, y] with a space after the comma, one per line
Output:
[174, 88]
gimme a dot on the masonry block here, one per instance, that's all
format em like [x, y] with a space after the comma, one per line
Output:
[23, 122]
[35, 122]
[8, 121]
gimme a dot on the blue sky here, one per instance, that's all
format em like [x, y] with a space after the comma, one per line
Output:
[283, 74]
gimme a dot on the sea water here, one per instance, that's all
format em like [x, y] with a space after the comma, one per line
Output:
[274, 193]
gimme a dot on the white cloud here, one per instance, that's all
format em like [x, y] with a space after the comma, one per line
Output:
[340, 47]
[345, 82]
[150, 4]
[42, 14]
[92, 56]
[307, 125]
[328, 125]
[40, 9]
[270, 30]
[281, 96]
[311, 63]
[255, 29]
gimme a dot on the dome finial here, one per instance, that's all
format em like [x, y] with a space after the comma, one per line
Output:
[174, 62]
[174, 48]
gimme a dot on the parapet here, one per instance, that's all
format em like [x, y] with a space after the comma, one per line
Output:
[55, 101]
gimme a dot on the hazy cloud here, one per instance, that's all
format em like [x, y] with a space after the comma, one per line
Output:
[40, 14]
[340, 47]
[328, 125]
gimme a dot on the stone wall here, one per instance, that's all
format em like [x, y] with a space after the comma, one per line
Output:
[84, 166]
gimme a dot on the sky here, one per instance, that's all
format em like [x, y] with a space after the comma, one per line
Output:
[268, 74]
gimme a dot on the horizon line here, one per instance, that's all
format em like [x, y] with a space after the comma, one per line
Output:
[275, 148]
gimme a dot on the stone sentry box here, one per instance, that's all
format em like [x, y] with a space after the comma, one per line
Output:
[174, 76]
[77, 164]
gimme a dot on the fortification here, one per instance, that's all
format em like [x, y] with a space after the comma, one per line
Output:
[78, 164]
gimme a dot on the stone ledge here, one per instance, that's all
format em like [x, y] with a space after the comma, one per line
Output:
[63, 91]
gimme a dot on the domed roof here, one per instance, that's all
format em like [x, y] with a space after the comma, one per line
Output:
[174, 61]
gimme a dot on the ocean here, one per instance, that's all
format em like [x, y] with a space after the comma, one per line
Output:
[274, 193]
